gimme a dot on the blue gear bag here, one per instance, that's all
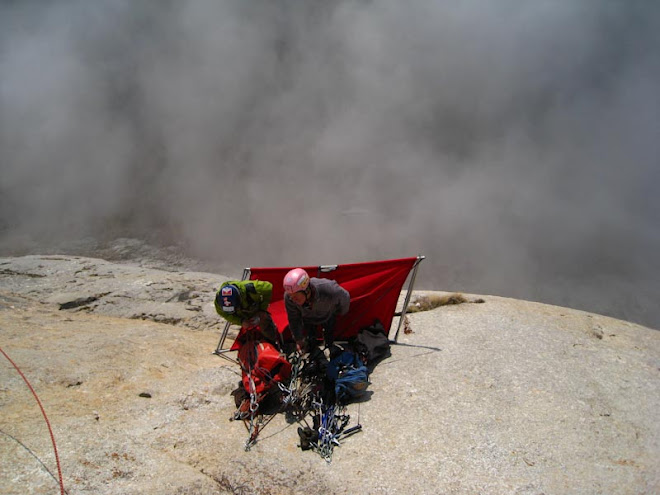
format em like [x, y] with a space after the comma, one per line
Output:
[350, 375]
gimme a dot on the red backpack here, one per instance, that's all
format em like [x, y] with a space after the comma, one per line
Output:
[264, 364]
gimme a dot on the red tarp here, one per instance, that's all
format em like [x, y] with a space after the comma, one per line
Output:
[374, 287]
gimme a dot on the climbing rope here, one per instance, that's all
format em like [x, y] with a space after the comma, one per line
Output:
[50, 430]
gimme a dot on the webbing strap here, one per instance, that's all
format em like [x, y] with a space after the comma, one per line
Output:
[252, 296]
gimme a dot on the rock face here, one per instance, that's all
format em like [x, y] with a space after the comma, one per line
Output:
[497, 398]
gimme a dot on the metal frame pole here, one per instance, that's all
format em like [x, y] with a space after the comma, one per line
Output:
[408, 294]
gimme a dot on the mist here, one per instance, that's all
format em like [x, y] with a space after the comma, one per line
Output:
[513, 143]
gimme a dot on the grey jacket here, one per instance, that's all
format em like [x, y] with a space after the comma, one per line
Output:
[328, 298]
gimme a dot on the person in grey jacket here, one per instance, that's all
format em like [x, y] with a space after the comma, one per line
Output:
[312, 302]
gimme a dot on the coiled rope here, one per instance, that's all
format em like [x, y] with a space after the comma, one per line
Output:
[50, 430]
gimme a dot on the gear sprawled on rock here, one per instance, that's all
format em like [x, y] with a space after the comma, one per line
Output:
[312, 389]
[312, 386]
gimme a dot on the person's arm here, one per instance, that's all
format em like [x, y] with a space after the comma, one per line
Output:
[294, 314]
[343, 300]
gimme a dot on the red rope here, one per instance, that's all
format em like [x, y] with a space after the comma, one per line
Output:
[50, 430]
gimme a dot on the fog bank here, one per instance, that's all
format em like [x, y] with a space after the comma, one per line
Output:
[514, 144]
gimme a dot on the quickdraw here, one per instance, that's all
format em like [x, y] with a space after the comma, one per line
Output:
[332, 422]
[299, 393]
[253, 429]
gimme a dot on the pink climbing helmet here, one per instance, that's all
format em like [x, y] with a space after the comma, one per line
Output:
[295, 281]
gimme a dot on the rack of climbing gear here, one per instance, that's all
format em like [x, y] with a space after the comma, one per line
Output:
[313, 389]
[332, 421]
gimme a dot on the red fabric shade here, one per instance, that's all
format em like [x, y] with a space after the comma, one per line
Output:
[374, 287]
